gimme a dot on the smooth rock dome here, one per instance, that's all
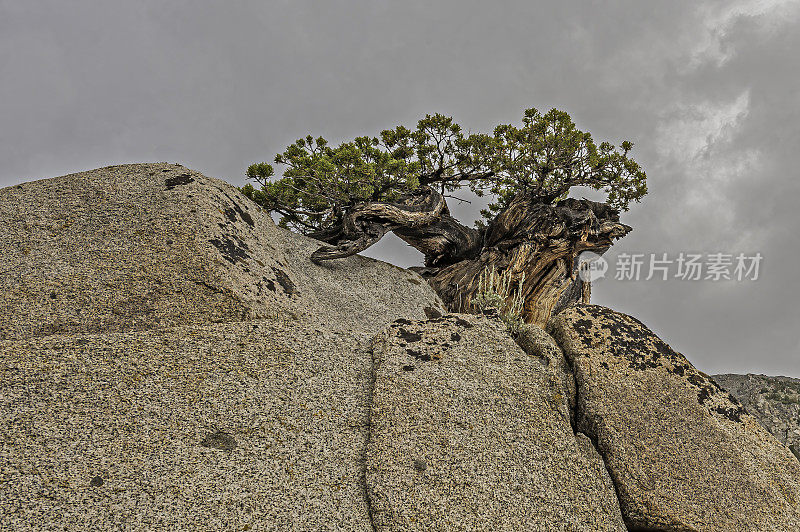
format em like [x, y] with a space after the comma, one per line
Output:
[137, 246]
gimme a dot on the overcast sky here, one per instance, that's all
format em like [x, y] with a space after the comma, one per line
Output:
[709, 91]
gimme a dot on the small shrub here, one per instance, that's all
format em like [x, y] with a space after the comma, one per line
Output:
[495, 291]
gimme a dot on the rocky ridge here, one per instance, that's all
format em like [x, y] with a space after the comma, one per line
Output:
[169, 359]
[773, 401]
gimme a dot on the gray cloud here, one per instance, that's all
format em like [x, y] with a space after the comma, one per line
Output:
[709, 92]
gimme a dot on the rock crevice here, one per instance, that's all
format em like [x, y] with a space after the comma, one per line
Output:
[468, 432]
[535, 341]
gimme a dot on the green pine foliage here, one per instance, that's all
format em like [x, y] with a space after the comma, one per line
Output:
[549, 155]
[546, 155]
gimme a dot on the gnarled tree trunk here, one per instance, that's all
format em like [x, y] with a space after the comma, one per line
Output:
[539, 241]
[534, 240]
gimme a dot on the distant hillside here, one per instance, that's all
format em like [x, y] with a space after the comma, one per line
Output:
[774, 401]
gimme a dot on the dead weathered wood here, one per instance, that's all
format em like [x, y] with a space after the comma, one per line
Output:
[537, 241]
[366, 223]
[541, 241]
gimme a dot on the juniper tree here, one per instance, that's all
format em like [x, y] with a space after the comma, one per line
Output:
[349, 196]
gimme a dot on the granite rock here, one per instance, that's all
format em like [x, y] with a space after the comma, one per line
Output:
[536, 342]
[682, 452]
[170, 359]
[138, 246]
[468, 432]
[255, 425]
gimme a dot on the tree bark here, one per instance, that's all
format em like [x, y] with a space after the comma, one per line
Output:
[535, 241]
[366, 223]
[538, 243]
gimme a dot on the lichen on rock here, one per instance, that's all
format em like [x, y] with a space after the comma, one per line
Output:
[683, 453]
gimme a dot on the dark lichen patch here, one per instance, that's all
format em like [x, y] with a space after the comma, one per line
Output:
[704, 394]
[232, 249]
[219, 440]
[247, 218]
[402, 321]
[408, 336]
[582, 326]
[455, 337]
[642, 364]
[431, 313]
[733, 410]
[230, 214]
[270, 284]
[180, 179]
[284, 281]
[626, 338]
[408, 367]
[425, 357]
[734, 414]
[696, 379]
[96, 482]
[463, 323]
[237, 210]
[678, 369]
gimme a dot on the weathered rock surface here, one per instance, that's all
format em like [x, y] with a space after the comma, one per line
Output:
[536, 342]
[169, 359]
[773, 401]
[136, 246]
[683, 454]
[468, 432]
[162, 419]
[219, 427]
